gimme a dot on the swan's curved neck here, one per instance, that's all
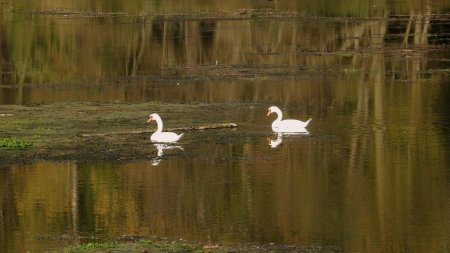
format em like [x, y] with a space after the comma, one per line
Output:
[159, 123]
[279, 114]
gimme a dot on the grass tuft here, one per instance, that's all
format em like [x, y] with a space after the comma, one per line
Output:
[93, 246]
[15, 143]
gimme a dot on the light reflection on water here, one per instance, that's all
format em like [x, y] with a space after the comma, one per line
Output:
[161, 148]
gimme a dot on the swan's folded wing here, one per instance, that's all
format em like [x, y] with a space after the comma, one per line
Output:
[291, 125]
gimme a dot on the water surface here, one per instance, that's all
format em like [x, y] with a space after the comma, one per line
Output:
[371, 176]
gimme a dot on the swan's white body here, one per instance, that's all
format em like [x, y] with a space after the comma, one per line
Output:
[159, 135]
[287, 125]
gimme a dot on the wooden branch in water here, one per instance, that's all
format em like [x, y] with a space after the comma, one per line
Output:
[203, 127]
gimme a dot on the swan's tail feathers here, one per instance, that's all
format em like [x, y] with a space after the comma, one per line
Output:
[180, 135]
[307, 122]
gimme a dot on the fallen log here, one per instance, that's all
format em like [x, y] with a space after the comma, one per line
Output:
[131, 132]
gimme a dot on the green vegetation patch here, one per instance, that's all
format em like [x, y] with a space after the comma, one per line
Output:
[170, 246]
[181, 246]
[144, 245]
[15, 143]
[93, 246]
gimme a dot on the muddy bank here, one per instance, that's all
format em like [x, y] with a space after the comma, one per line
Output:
[58, 131]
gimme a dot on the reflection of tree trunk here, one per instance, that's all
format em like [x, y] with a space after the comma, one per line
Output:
[137, 57]
[358, 145]
[164, 49]
[424, 36]
[21, 74]
[415, 116]
[246, 186]
[381, 186]
[75, 213]
[408, 29]
[360, 121]
[365, 122]
[293, 53]
[135, 52]
[377, 75]
[421, 26]
[418, 31]
[127, 59]
[192, 37]
[356, 33]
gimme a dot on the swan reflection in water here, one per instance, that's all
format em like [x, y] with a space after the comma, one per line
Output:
[161, 147]
[276, 142]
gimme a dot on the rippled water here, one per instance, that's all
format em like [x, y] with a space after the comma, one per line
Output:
[372, 175]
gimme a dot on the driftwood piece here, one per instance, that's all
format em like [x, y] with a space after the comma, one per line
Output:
[203, 127]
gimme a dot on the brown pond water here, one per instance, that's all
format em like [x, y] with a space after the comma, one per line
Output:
[371, 176]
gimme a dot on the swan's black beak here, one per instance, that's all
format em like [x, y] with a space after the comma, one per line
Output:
[149, 119]
[268, 113]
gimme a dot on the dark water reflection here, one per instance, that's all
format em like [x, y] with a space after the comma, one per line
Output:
[372, 175]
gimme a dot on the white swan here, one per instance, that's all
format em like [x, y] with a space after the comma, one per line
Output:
[287, 125]
[159, 135]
